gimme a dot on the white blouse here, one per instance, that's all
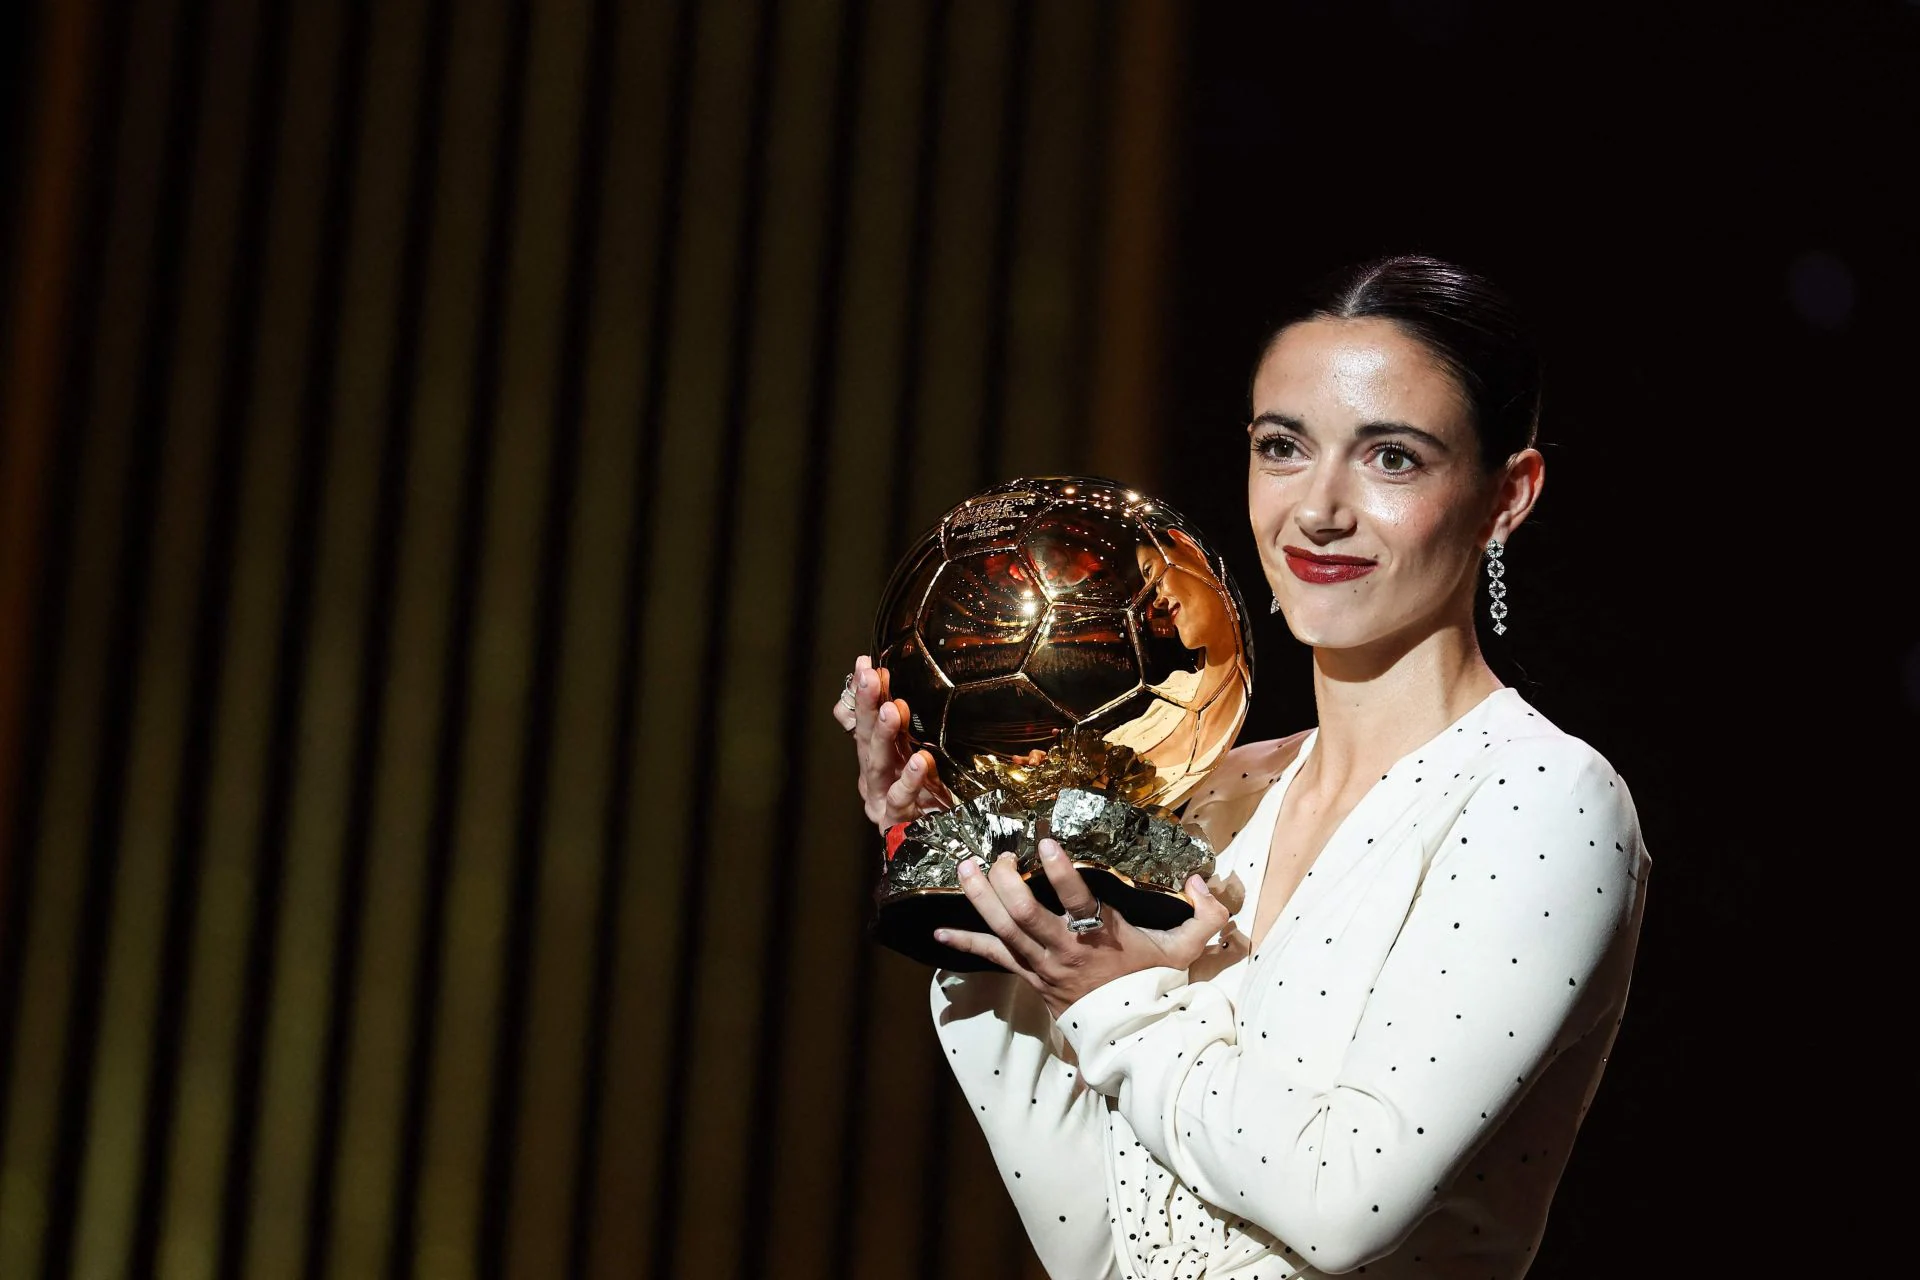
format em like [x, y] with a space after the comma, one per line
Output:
[1391, 1085]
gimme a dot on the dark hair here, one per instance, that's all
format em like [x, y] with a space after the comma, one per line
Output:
[1470, 325]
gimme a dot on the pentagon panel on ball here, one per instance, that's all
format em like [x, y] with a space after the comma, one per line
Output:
[1077, 658]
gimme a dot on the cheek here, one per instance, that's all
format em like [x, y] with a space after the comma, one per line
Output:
[1421, 527]
[1266, 502]
[1404, 506]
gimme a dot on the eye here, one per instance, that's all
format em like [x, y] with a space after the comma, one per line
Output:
[1277, 446]
[1395, 460]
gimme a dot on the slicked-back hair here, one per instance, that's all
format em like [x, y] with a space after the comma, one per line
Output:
[1470, 325]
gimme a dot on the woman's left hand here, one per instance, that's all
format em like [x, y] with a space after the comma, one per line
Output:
[1036, 944]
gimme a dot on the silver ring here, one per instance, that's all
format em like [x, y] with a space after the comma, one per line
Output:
[846, 694]
[1087, 924]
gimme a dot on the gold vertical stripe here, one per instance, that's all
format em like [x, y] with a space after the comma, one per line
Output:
[1043, 314]
[948, 418]
[54, 923]
[678, 678]
[37, 323]
[177, 551]
[620, 382]
[956, 411]
[1126, 353]
[893, 1146]
[478, 888]
[547, 1125]
[383, 1029]
[903, 1069]
[747, 835]
[833, 858]
[295, 1033]
[191, 1225]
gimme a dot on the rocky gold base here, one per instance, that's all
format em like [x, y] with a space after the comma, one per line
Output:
[906, 924]
[1134, 859]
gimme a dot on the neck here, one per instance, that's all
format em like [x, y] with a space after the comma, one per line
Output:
[1377, 703]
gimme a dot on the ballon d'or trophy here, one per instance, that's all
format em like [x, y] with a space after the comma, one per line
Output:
[1077, 659]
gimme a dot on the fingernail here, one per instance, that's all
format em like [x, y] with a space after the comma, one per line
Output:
[941, 935]
[967, 868]
[914, 765]
[1049, 850]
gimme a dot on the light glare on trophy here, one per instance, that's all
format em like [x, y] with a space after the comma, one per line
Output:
[1077, 659]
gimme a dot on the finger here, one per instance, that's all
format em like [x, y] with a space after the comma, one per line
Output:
[885, 757]
[866, 704]
[983, 945]
[846, 705]
[887, 726]
[883, 740]
[985, 898]
[1231, 893]
[1044, 927]
[908, 795]
[1075, 898]
[1210, 916]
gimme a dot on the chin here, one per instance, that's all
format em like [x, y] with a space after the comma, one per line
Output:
[1321, 633]
[1333, 628]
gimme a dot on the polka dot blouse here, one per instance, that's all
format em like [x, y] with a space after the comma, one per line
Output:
[1390, 1085]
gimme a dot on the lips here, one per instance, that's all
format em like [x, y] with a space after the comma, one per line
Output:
[1310, 566]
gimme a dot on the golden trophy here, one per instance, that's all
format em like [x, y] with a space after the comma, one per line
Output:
[1077, 659]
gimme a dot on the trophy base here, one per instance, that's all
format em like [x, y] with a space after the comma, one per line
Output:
[906, 923]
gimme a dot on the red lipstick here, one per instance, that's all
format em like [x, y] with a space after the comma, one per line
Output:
[1312, 566]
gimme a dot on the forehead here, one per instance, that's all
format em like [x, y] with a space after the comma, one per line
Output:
[1368, 369]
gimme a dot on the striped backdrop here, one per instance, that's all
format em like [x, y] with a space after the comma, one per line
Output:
[452, 450]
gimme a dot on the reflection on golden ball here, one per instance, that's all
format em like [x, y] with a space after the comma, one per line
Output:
[1056, 606]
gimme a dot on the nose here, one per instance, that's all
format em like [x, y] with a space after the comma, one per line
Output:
[1325, 511]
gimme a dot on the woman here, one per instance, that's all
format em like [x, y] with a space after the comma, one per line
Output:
[1199, 616]
[1379, 1059]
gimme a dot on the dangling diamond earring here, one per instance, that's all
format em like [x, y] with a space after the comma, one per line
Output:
[1496, 589]
[1274, 607]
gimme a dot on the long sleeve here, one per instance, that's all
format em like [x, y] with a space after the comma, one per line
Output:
[1044, 1126]
[1525, 892]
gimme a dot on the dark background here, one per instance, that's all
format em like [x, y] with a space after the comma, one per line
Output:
[451, 451]
[1706, 208]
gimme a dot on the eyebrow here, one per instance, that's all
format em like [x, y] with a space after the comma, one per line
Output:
[1366, 430]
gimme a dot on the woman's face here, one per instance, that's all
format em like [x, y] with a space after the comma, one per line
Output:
[1364, 484]
[1182, 586]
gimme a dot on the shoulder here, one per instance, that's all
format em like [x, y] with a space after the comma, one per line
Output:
[1536, 775]
[1523, 742]
[1223, 803]
[1251, 767]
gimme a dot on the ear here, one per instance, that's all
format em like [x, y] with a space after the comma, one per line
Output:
[1519, 486]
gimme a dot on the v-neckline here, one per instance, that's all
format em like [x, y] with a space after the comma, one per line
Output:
[1266, 821]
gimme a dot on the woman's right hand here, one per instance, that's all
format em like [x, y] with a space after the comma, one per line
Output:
[897, 784]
